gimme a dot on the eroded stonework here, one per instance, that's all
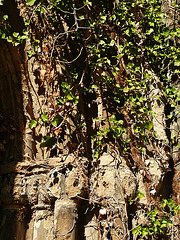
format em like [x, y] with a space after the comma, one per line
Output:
[53, 190]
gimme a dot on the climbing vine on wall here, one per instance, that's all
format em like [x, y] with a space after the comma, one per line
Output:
[112, 57]
[108, 50]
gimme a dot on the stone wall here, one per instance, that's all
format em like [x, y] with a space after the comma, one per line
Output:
[69, 197]
[61, 198]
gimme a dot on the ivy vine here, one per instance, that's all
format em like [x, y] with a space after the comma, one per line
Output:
[111, 55]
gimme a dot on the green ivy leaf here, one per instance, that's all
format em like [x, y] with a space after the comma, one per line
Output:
[15, 34]
[96, 155]
[140, 195]
[149, 125]
[70, 96]
[49, 142]
[33, 123]
[156, 223]
[15, 44]
[94, 86]
[24, 37]
[65, 85]
[177, 62]
[125, 89]
[87, 2]
[135, 230]
[169, 223]
[3, 36]
[164, 203]
[5, 17]
[45, 117]
[30, 53]
[130, 201]
[56, 121]
[30, 2]
[145, 231]
[26, 22]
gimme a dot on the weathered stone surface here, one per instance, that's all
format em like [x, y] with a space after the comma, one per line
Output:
[158, 107]
[38, 184]
[41, 226]
[51, 189]
[109, 180]
[155, 171]
[111, 185]
[92, 230]
[65, 217]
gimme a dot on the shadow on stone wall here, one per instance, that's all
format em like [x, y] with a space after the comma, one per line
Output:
[12, 122]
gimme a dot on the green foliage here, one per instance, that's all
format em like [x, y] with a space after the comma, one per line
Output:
[108, 50]
[141, 47]
[6, 32]
[158, 221]
[146, 43]
[148, 125]
[33, 123]
[126, 39]
[45, 118]
[48, 142]
[138, 196]
[56, 121]
[69, 96]
[30, 2]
